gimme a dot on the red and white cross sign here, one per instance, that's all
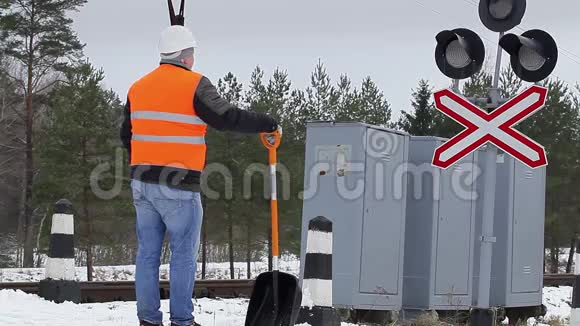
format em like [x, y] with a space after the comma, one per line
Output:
[496, 127]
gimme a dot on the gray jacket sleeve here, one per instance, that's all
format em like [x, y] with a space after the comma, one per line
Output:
[126, 132]
[222, 115]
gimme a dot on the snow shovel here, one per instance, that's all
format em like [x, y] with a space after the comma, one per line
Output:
[277, 296]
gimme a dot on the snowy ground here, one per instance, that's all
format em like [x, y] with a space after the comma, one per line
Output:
[19, 308]
[558, 301]
[215, 271]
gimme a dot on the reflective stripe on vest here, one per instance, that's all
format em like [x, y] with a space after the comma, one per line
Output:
[171, 139]
[164, 116]
[166, 130]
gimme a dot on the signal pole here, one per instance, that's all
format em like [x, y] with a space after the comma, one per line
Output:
[495, 93]
[484, 314]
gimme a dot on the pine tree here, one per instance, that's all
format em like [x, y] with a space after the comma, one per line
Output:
[556, 128]
[224, 148]
[290, 160]
[78, 133]
[374, 108]
[321, 96]
[38, 38]
[278, 95]
[11, 127]
[421, 120]
[274, 98]
[348, 100]
[510, 84]
[298, 117]
[255, 96]
[265, 97]
[478, 85]
[254, 209]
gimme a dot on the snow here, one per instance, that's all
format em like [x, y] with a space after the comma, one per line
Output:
[558, 301]
[306, 299]
[214, 271]
[19, 308]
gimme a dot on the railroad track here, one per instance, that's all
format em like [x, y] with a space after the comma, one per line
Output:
[558, 279]
[125, 291]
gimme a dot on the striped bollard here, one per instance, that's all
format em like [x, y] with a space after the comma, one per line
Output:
[60, 283]
[317, 307]
[575, 315]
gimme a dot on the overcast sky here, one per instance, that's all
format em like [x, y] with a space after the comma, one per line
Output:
[391, 41]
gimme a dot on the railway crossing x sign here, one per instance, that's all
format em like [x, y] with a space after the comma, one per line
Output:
[496, 127]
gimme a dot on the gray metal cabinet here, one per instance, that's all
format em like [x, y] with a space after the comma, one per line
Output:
[355, 176]
[517, 265]
[439, 231]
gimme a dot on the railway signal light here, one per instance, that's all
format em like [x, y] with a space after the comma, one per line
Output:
[534, 54]
[501, 15]
[460, 53]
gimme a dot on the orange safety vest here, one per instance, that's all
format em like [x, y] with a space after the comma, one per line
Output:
[166, 131]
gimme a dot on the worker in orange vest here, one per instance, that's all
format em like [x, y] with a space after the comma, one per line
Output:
[166, 119]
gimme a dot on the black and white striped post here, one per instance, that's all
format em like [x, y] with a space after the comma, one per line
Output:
[60, 283]
[317, 307]
[575, 314]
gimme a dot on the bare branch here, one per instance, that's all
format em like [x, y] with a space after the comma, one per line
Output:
[10, 147]
[14, 152]
[9, 123]
[22, 140]
[17, 113]
[4, 172]
[42, 74]
[48, 86]
[10, 104]
[19, 81]
[11, 135]
[6, 161]
[20, 62]
[24, 7]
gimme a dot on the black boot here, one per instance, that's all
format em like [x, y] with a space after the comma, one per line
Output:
[194, 324]
[146, 323]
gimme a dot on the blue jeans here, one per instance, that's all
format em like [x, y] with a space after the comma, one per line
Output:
[161, 209]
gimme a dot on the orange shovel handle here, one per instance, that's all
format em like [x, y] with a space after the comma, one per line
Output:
[272, 141]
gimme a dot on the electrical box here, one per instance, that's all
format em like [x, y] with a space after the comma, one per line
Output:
[439, 232]
[518, 253]
[355, 175]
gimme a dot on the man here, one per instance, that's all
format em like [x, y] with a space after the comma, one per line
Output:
[166, 118]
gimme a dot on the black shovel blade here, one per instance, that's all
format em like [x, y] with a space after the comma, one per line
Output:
[263, 310]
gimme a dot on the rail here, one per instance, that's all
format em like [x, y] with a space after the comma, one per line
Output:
[125, 290]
